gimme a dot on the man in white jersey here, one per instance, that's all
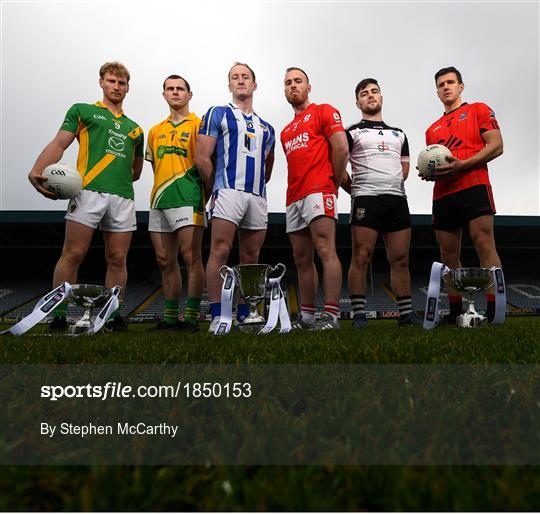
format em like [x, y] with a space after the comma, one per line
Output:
[235, 156]
[379, 157]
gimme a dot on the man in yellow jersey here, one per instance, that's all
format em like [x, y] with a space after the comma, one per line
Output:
[111, 156]
[177, 205]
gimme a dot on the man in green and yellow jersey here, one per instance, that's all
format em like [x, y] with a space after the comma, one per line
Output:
[177, 205]
[111, 156]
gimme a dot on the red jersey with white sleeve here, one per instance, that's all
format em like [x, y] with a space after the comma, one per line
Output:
[306, 146]
[461, 131]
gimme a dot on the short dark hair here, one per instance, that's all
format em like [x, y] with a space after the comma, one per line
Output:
[242, 64]
[292, 68]
[176, 77]
[363, 83]
[450, 69]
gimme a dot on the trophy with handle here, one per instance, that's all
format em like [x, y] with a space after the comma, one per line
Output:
[252, 281]
[469, 281]
[90, 296]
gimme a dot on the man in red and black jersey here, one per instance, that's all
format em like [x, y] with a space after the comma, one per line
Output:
[462, 193]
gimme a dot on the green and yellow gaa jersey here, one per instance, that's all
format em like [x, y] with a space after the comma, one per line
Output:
[171, 150]
[108, 143]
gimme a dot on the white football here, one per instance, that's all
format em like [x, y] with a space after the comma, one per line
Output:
[63, 180]
[431, 158]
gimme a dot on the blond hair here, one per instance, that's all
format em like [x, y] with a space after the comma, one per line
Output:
[242, 64]
[115, 68]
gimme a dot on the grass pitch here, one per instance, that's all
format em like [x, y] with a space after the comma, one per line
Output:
[279, 487]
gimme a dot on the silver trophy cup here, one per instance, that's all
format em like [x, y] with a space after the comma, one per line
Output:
[251, 280]
[87, 296]
[469, 281]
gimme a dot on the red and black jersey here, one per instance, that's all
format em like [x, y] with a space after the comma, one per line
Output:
[461, 131]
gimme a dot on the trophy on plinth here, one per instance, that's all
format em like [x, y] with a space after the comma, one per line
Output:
[91, 296]
[469, 281]
[251, 280]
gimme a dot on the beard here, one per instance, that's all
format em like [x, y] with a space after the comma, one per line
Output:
[372, 110]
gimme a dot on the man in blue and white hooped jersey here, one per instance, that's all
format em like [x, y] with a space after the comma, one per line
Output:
[235, 156]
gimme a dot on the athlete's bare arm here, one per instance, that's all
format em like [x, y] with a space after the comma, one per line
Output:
[203, 158]
[493, 148]
[269, 165]
[51, 154]
[340, 155]
[138, 162]
[405, 167]
[346, 183]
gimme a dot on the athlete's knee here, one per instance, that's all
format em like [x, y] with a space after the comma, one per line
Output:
[73, 255]
[361, 258]
[116, 258]
[399, 261]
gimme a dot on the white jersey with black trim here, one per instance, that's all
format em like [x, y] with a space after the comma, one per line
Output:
[377, 152]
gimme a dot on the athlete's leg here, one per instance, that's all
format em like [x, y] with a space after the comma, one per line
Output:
[303, 253]
[222, 238]
[116, 250]
[363, 244]
[450, 248]
[190, 243]
[481, 230]
[250, 242]
[323, 234]
[397, 251]
[166, 246]
[76, 244]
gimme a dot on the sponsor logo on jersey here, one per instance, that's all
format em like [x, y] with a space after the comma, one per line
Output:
[491, 114]
[99, 117]
[181, 220]
[297, 142]
[436, 128]
[462, 116]
[364, 131]
[337, 117]
[116, 144]
[382, 147]
[162, 136]
[306, 117]
[395, 132]
[166, 149]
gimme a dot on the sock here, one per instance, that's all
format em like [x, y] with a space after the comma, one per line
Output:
[307, 313]
[490, 311]
[191, 310]
[456, 305]
[404, 304]
[170, 314]
[61, 310]
[242, 311]
[332, 309]
[358, 303]
[215, 309]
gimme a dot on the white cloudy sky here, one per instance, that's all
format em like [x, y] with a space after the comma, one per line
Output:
[51, 52]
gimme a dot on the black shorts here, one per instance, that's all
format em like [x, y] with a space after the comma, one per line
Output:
[457, 209]
[383, 213]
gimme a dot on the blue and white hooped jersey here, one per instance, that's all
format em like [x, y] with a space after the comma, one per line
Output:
[243, 143]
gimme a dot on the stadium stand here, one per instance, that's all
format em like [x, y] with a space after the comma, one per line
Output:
[26, 234]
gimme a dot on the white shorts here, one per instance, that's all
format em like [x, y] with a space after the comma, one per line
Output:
[170, 220]
[301, 213]
[245, 210]
[112, 213]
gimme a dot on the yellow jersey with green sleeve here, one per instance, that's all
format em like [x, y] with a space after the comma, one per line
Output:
[108, 143]
[171, 150]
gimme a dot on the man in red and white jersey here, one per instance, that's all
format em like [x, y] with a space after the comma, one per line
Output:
[462, 194]
[316, 148]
